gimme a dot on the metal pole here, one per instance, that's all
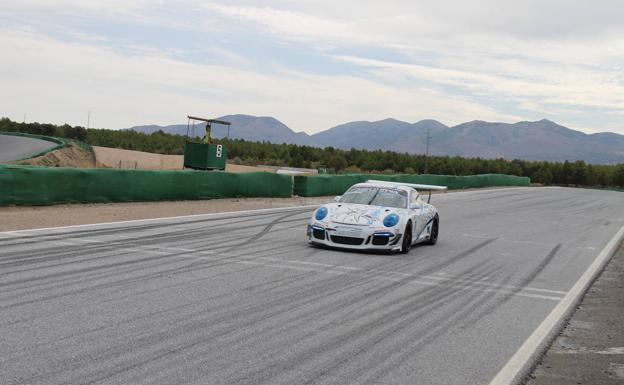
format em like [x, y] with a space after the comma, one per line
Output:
[427, 151]
[88, 119]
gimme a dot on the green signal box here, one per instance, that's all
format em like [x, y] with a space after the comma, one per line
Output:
[204, 155]
[201, 156]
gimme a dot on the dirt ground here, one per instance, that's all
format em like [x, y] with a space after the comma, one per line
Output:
[70, 156]
[118, 158]
[105, 157]
[30, 217]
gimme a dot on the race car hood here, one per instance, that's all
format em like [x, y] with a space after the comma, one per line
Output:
[362, 215]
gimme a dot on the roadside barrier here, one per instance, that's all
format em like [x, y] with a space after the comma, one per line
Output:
[30, 185]
[60, 143]
[321, 185]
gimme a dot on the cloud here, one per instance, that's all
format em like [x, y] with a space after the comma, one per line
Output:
[61, 81]
[550, 85]
[314, 64]
[69, 5]
[411, 22]
[289, 24]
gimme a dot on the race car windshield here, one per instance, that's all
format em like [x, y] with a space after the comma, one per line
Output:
[375, 196]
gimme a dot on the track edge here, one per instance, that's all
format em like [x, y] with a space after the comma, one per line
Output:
[526, 358]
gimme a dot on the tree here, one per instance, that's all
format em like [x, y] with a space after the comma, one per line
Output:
[618, 177]
[578, 174]
[543, 175]
[337, 162]
[253, 153]
[77, 132]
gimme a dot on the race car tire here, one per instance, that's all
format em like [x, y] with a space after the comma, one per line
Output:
[407, 239]
[435, 229]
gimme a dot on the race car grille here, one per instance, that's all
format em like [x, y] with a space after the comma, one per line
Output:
[318, 233]
[380, 240]
[347, 240]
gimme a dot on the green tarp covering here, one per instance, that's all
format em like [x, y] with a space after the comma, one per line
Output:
[201, 156]
[28, 185]
[309, 186]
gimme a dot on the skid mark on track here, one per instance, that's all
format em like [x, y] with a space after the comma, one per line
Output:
[115, 269]
[203, 235]
[305, 318]
[457, 257]
[276, 282]
[314, 288]
[260, 233]
[526, 242]
[208, 257]
[62, 253]
[394, 319]
[34, 238]
[418, 279]
[219, 326]
[525, 282]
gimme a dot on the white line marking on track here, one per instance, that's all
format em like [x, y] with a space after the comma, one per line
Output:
[137, 221]
[520, 364]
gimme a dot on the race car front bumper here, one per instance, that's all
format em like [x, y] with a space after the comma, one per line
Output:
[354, 237]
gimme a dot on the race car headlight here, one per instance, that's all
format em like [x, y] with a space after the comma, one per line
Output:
[321, 213]
[391, 220]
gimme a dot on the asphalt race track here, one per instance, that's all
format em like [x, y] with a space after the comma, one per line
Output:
[242, 298]
[19, 147]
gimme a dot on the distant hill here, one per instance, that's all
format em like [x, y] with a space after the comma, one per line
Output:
[388, 134]
[541, 140]
[253, 128]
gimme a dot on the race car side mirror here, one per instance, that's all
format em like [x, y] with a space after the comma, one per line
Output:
[415, 206]
[337, 198]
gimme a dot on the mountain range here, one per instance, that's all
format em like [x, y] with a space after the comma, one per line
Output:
[540, 140]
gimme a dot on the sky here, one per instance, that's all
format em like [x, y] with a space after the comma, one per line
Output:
[313, 64]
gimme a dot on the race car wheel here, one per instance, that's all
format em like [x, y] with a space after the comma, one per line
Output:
[407, 239]
[435, 228]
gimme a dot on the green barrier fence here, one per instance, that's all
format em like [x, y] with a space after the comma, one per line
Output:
[29, 185]
[60, 143]
[309, 186]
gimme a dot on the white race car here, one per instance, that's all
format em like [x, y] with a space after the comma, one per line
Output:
[377, 215]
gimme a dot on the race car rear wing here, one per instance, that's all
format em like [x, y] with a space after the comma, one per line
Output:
[424, 187]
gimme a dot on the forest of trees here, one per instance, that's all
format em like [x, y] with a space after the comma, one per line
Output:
[343, 161]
